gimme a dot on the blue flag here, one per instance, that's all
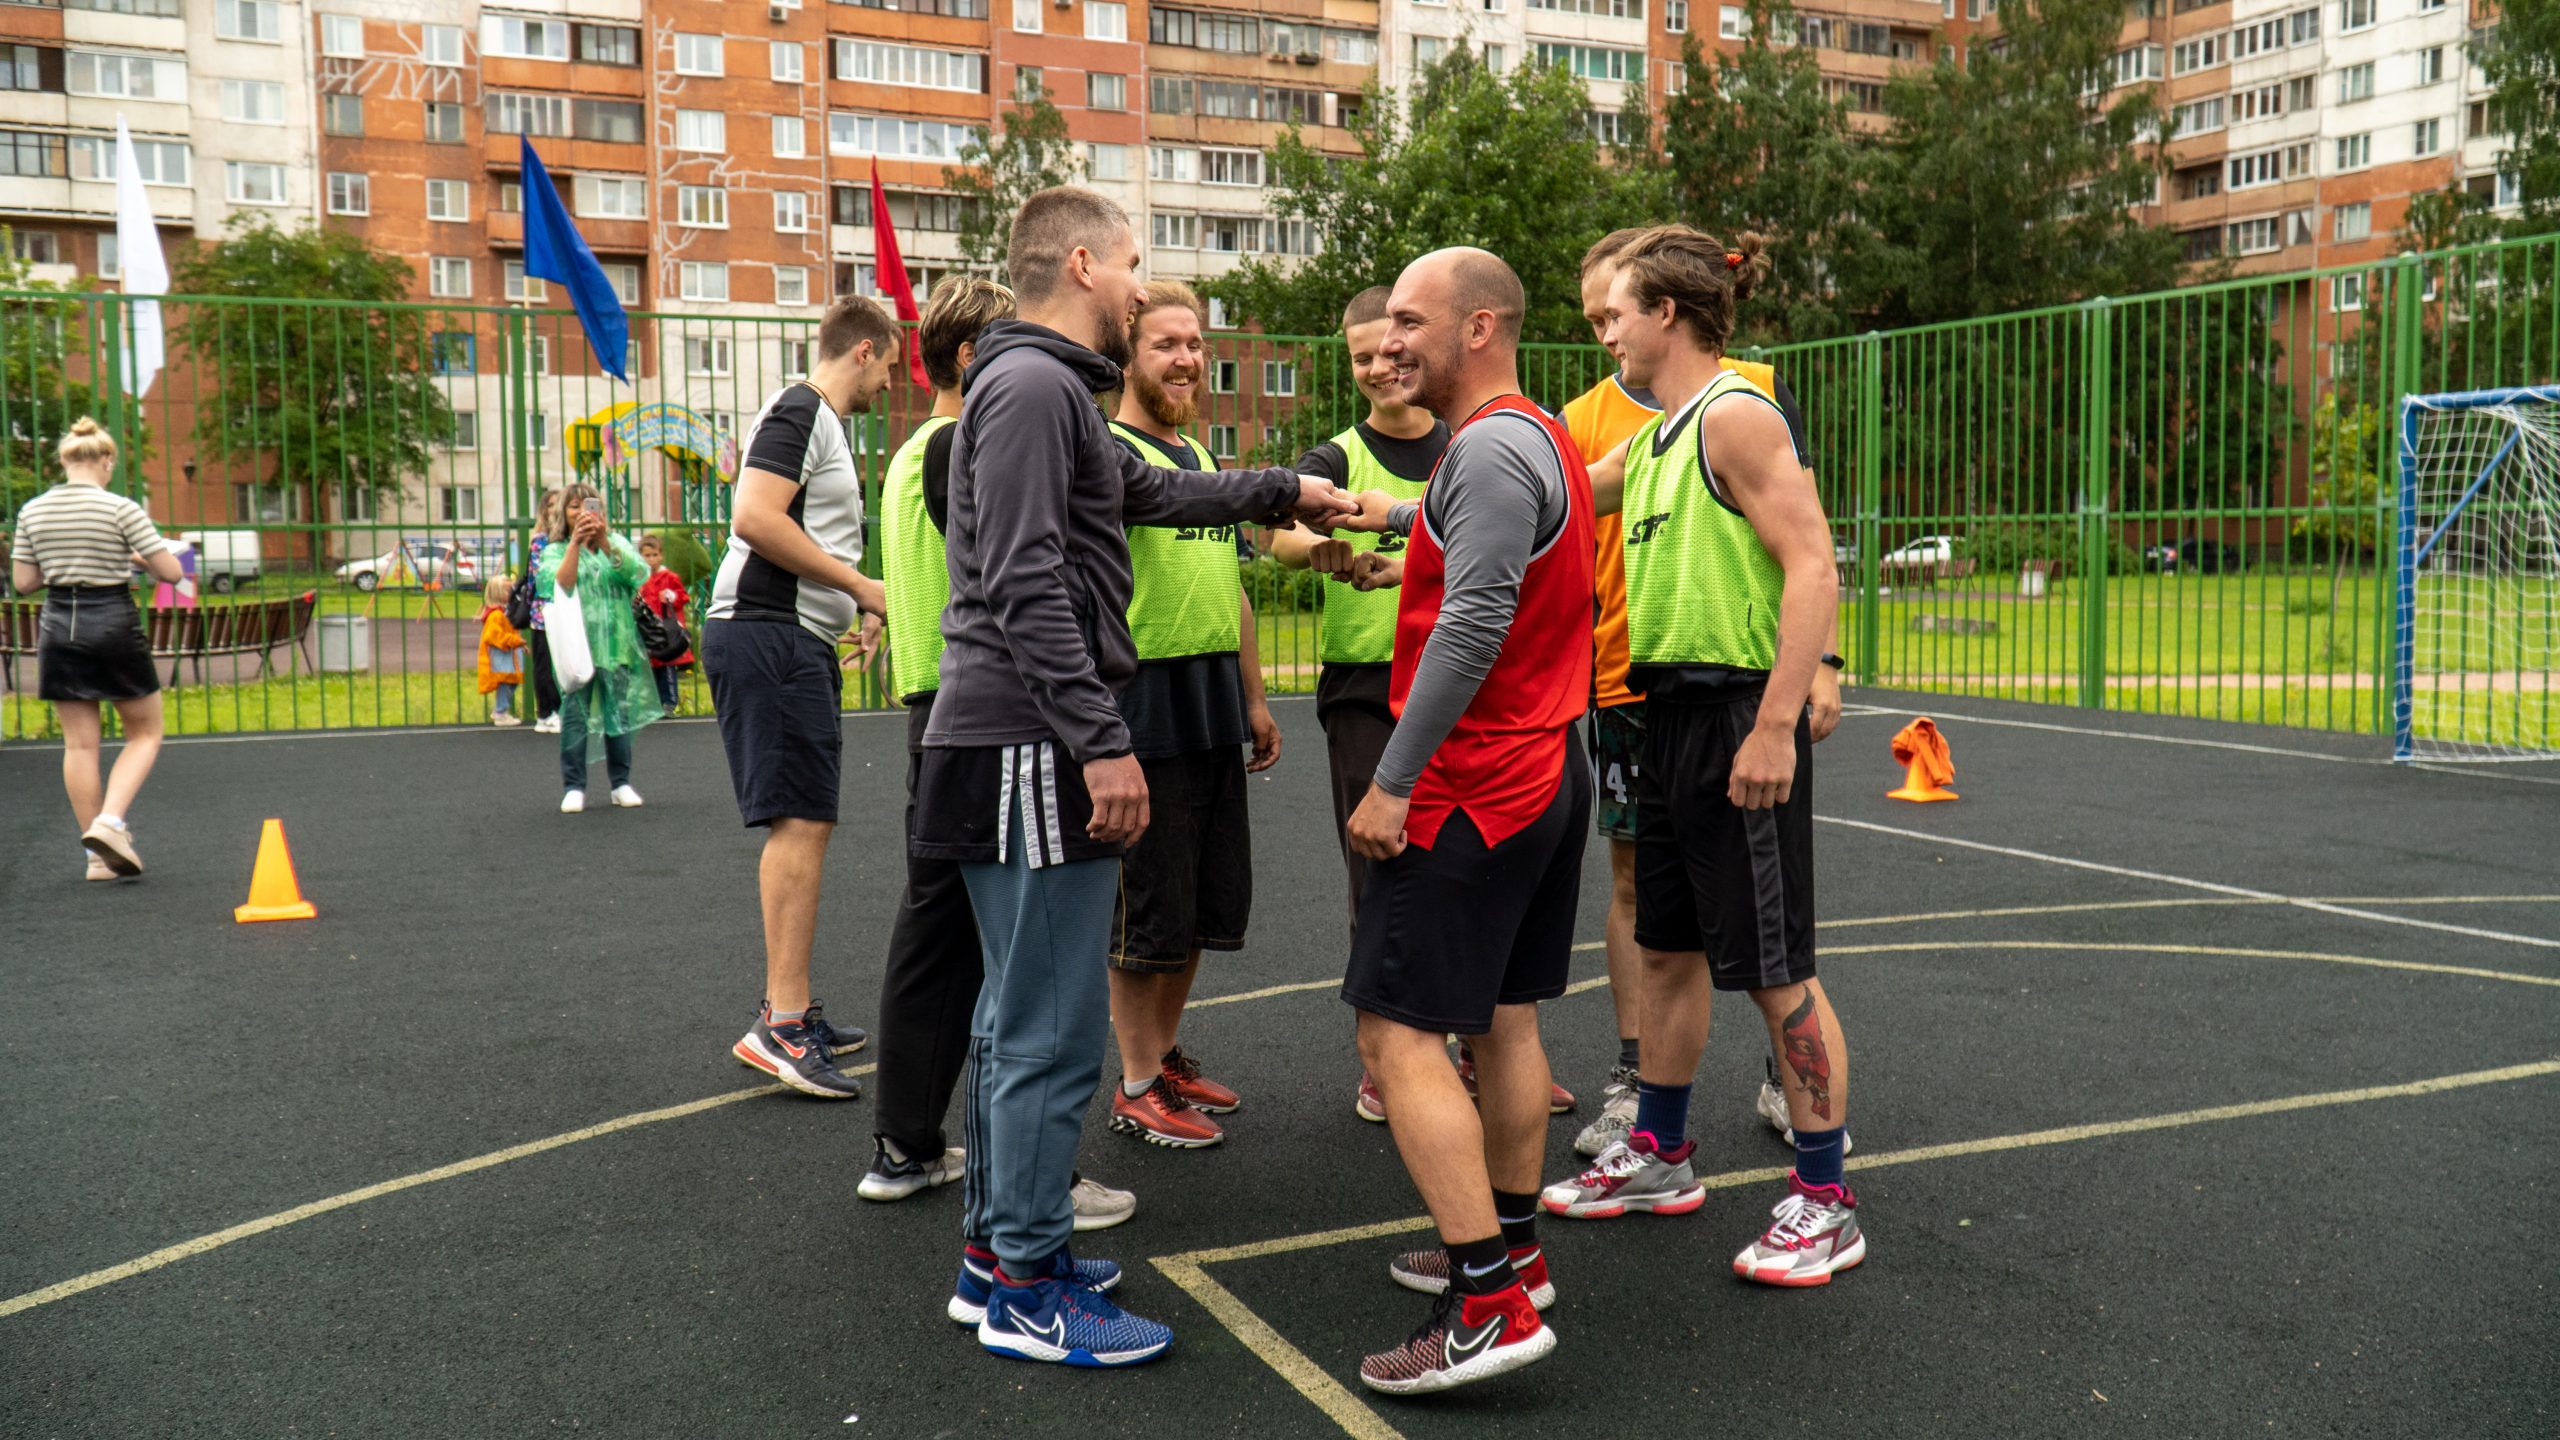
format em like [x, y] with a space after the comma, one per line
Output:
[555, 251]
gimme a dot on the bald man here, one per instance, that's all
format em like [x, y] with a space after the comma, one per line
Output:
[1473, 825]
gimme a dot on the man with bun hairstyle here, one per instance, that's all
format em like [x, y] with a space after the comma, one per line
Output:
[1731, 593]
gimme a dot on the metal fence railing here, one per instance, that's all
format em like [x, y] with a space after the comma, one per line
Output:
[2169, 502]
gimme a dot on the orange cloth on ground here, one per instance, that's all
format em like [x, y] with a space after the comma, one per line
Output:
[1600, 420]
[497, 634]
[1921, 741]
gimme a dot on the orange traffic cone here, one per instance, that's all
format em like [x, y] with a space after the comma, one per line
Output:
[1924, 750]
[273, 892]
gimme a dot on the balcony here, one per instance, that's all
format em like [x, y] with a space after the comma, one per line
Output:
[29, 195]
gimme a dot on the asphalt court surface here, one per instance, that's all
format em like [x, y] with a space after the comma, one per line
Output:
[2247, 1131]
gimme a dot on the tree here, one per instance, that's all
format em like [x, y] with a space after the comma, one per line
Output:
[328, 395]
[43, 396]
[2004, 183]
[996, 174]
[2520, 58]
[1752, 142]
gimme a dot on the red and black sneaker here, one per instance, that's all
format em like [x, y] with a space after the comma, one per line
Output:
[1428, 1272]
[1468, 1338]
[1191, 1085]
[1560, 1101]
[1162, 1117]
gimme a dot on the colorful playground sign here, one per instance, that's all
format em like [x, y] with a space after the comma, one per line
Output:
[612, 436]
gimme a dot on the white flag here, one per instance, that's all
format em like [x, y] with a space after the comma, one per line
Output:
[145, 271]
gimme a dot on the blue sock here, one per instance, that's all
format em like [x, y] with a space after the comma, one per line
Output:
[1818, 1155]
[1663, 1110]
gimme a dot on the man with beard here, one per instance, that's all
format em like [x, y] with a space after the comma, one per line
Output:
[1474, 822]
[1187, 885]
[1036, 645]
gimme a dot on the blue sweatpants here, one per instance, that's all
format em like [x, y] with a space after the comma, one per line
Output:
[1035, 1045]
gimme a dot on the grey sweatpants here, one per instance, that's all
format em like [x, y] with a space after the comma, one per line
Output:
[1035, 1046]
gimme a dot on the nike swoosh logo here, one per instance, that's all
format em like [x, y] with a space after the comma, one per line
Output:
[1459, 1351]
[1054, 1333]
[794, 1051]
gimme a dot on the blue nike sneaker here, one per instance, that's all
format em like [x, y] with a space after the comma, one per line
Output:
[1068, 1324]
[978, 1280]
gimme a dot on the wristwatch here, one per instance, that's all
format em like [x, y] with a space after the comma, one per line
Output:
[1834, 661]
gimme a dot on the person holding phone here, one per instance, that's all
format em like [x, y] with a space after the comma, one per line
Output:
[605, 573]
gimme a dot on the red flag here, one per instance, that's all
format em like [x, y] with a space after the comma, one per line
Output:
[892, 269]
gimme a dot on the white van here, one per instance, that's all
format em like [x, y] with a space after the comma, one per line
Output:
[224, 558]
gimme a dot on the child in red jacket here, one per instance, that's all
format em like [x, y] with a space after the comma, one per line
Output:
[666, 597]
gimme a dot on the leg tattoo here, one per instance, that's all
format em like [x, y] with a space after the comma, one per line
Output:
[1807, 1056]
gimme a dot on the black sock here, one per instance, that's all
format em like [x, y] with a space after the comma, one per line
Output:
[1630, 1053]
[1518, 1213]
[1481, 1267]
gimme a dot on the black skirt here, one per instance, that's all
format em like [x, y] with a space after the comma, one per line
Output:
[90, 645]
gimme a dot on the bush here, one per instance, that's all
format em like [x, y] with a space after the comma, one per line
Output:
[2008, 545]
[1276, 589]
[688, 557]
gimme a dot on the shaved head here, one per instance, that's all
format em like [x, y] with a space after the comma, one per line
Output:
[1479, 280]
[1453, 329]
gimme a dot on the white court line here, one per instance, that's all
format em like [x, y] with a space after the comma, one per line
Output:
[1937, 714]
[2211, 887]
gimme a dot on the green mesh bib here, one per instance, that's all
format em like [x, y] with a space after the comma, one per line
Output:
[1357, 628]
[1701, 589]
[919, 584]
[1187, 594]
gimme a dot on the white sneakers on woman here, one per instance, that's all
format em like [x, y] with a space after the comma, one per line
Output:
[624, 796]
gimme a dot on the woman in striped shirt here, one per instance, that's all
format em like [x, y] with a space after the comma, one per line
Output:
[80, 541]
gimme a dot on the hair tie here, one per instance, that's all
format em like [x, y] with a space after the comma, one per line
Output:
[1733, 259]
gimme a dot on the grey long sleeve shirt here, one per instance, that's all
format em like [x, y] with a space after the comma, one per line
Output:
[1499, 497]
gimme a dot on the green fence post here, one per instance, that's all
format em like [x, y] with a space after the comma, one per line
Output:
[110, 391]
[516, 365]
[2404, 376]
[2097, 330]
[1870, 651]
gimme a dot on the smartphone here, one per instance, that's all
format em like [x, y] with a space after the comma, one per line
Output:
[592, 505]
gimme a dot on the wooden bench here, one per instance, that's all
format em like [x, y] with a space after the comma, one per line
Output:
[260, 628]
[1924, 572]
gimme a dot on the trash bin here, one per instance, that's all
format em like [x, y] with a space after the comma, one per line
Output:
[2033, 578]
[346, 644]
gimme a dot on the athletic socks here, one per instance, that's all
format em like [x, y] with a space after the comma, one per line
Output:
[1518, 1213]
[1819, 1153]
[1481, 1267]
[1135, 1088]
[1663, 1110]
[780, 1018]
[1629, 1055]
[112, 821]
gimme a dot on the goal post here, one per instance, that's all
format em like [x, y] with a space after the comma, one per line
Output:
[2476, 614]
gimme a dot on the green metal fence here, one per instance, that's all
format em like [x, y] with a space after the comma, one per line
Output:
[2166, 503]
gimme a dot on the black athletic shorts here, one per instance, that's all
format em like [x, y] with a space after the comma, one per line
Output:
[777, 689]
[1188, 883]
[1447, 934]
[1617, 755]
[1735, 883]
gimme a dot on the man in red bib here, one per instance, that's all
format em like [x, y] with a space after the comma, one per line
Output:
[1474, 823]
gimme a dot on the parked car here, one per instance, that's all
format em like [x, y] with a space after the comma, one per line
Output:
[1927, 550]
[431, 562]
[224, 558]
[2204, 557]
[1844, 553]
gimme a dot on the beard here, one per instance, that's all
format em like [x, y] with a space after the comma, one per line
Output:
[1112, 342]
[1161, 404]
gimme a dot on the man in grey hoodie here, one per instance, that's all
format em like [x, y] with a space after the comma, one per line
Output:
[1027, 778]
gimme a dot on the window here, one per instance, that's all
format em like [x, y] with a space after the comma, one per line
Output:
[247, 20]
[2199, 54]
[790, 284]
[509, 199]
[1220, 316]
[22, 67]
[252, 183]
[36, 247]
[790, 212]
[350, 193]
[451, 352]
[702, 280]
[1106, 162]
[1427, 50]
[2253, 237]
[2431, 65]
[2301, 92]
[269, 504]
[790, 136]
[914, 66]
[2351, 222]
[852, 134]
[1231, 167]
[1293, 237]
[1614, 9]
[1675, 17]
[626, 282]
[342, 37]
[795, 354]
[2356, 82]
[1106, 92]
[1280, 377]
[2355, 151]
[253, 102]
[2305, 26]
[465, 434]
[1610, 128]
[1351, 47]
[122, 77]
[522, 38]
[702, 130]
[2346, 292]
[444, 123]
[2200, 184]
[2354, 15]
[1732, 23]
[2199, 117]
[342, 114]
[1169, 94]
[610, 197]
[1104, 20]
[1174, 232]
[1224, 377]
[520, 286]
[699, 55]
[457, 504]
[1231, 234]
[614, 120]
[93, 157]
[2298, 229]
[2137, 62]
[448, 200]
[2261, 103]
[2427, 138]
[706, 356]
[789, 62]
[517, 114]
[702, 207]
[441, 44]
[1028, 87]
[449, 278]
[1592, 62]
[2257, 39]
[1497, 58]
[608, 45]
[1222, 441]
[1164, 162]
[1026, 16]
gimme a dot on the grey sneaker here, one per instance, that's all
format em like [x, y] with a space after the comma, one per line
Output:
[1813, 1235]
[892, 1177]
[1630, 1175]
[1617, 1115]
[1773, 1108]
[1098, 1206]
[1428, 1272]
[796, 1056]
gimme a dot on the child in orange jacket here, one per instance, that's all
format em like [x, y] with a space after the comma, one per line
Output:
[501, 663]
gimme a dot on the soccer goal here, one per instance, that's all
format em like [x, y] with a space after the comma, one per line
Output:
[2477, 624]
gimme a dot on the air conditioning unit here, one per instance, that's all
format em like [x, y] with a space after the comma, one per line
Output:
[1065, 4]
[777, 12]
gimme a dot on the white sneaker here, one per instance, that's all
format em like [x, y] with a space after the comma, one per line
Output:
[626, 797]
[1813, 1235]
[1773, 1108]
[1098, 1206]
[1617, 1115]
[573, 801]
[504, 722]
[547, 726]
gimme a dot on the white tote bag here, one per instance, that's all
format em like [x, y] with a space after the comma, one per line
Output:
[564, 620]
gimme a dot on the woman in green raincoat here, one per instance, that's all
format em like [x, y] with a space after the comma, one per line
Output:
[605, 572]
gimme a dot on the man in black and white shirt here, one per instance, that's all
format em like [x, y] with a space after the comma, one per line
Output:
[787, 588]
